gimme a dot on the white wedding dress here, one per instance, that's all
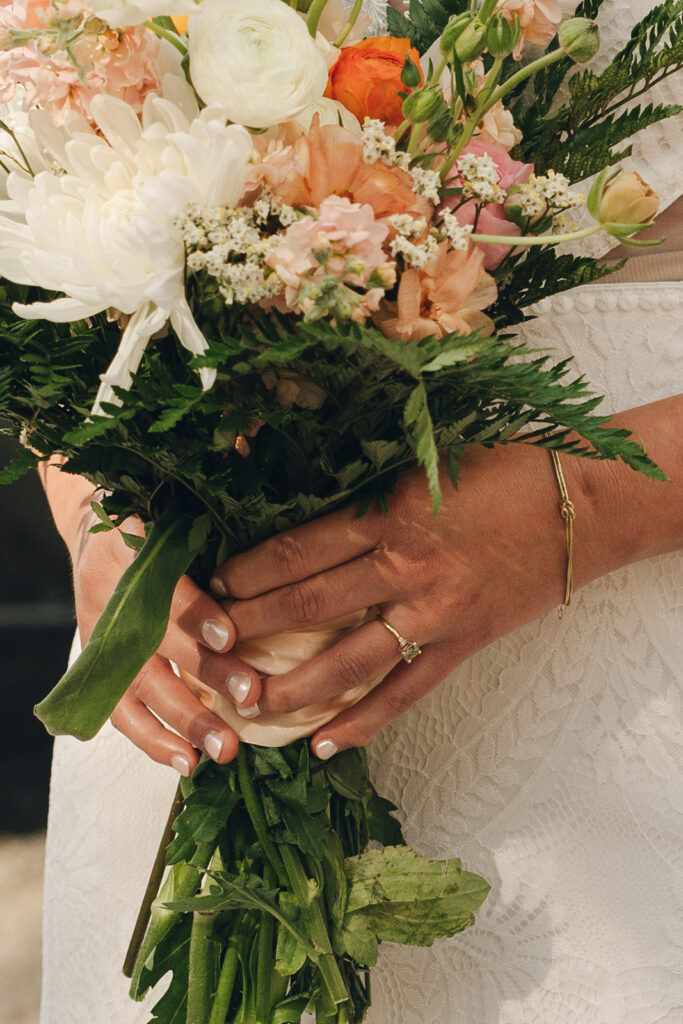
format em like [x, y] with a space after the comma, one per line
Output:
[551, 762]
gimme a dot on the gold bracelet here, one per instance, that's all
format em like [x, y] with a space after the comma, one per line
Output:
[569, 515]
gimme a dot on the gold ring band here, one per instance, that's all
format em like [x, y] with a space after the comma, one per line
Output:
[410, 650]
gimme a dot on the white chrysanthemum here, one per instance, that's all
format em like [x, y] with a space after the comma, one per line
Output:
[257, 59]
[124, 13]
[104, 230]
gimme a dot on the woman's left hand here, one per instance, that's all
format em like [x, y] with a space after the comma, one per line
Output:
[492, 559]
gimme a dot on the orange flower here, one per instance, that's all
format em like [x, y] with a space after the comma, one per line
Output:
[328, 160]
[367, 78]
[447, 296]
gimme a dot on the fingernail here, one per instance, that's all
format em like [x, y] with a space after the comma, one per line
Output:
[218, 586]
[326, 749]
[239, 686]
[215, 634]
[213, 744]
[181, 765]
[252, 712]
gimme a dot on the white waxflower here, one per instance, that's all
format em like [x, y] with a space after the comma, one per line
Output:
[125, 13]
[104, 232]
[257, 60]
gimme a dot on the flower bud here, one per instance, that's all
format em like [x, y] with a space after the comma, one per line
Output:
[411, 76]
[580, 39]
[422, 105]
[627, 200]
[501, 35]
[471, 43]
[455, 27]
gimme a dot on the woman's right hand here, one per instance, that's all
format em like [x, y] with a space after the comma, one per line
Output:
[158, 713]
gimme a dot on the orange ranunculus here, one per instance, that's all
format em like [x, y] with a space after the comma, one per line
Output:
[367, 78]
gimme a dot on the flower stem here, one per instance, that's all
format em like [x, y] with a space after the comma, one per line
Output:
[152, 889]
[258, 820]
[199, 975]
[526, 72]
[171, 37]
[226, 980]
[353, 18]
[265, 959]
[315, 13]
[483, 104]
[312, 914]
[182, 883]
[570, 236]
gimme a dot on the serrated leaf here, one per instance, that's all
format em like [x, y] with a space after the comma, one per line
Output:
[383, 827]
[396, 895]
[419, 424]
[24, 461]
[127, 634]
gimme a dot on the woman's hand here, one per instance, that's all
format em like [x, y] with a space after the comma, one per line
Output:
[199, 638]
[493, 559]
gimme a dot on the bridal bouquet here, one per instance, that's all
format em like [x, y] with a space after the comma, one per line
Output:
[256, 264]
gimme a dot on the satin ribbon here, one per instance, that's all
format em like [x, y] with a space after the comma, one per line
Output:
[273, 656]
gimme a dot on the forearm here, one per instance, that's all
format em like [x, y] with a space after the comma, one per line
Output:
[69, 498]
[623, 516]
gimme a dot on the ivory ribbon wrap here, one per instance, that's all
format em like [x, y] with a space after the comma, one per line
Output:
[273, 656]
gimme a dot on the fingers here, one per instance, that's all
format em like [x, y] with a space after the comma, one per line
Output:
[322, 598]
[391, 698]
[297, 554]
[199, 639]
[157, 691]
[361, 658]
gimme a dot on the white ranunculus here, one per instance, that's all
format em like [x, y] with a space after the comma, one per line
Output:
[103, 232]
[124, 13]
[256, 59]
[329, 112]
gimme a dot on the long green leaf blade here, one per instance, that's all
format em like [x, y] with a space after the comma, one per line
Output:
[127, 634]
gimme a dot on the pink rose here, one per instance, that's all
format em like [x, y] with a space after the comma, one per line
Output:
[492, 219]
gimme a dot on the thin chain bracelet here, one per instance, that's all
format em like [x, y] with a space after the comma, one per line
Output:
[568, 513]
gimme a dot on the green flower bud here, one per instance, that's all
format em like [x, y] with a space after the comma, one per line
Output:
[411, 76]
[501, 36]
[471, 43]
[580, 39]
[422, 105]
[470, 81]
[455, 27]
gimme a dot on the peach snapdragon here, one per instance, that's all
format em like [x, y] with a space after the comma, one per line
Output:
[121, 63]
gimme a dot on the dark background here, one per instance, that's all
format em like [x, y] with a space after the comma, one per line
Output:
[36, 629]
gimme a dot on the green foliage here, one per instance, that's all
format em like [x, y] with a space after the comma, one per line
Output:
[335, 903]
[539, 272]
[579, 137]
[425, 22]
[125, 637]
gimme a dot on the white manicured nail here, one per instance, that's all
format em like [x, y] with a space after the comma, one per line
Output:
[213, 744]
[252, 712]
[181, 765]
[326, 749]
[239, 686]
[215, 634]
[218, 586]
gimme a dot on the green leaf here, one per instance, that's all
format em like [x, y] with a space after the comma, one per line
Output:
[398, 896]
[127, 634]
[383, 827]
[24, 461]
[290, 955]
[419, 425]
